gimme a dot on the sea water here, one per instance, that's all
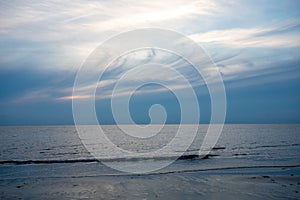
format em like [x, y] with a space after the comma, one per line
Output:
[58, 151]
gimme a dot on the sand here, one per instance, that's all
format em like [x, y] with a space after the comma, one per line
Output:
[258, 183]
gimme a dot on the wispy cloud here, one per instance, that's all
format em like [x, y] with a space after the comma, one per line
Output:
[281, 35]
[34, 36]
[60, 35]
[93, 16]
[143, 15]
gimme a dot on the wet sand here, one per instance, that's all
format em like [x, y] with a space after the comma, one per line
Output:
[258, 183]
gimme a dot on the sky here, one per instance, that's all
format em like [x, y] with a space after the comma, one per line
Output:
[254, 44]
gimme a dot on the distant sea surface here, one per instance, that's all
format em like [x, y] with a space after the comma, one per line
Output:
[57, 151]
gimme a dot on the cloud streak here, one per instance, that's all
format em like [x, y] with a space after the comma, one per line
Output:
[284, 35]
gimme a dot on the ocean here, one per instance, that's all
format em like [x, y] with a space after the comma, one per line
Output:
[32, 153]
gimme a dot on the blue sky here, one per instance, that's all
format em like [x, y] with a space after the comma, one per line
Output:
[255, 45]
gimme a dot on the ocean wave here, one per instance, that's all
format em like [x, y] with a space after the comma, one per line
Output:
[266, 146]
[119, 159]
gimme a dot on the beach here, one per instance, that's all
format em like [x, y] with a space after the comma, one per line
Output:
[258, 183]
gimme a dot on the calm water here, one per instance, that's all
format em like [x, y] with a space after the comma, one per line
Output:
[57, 151]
